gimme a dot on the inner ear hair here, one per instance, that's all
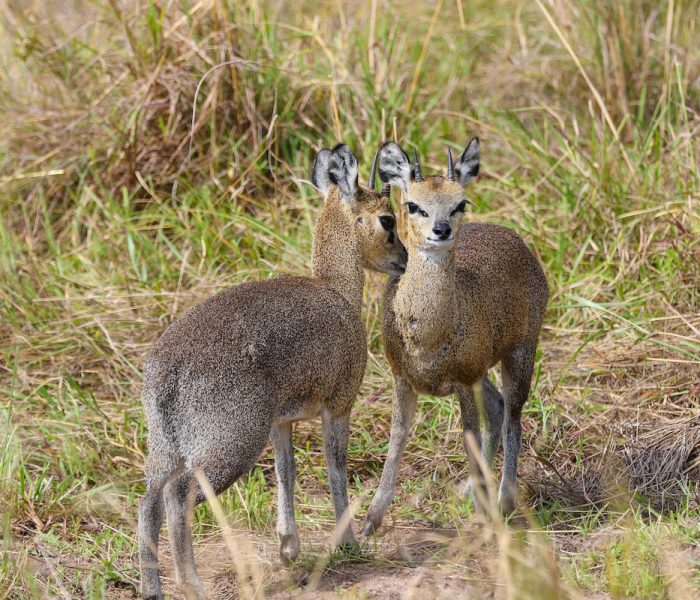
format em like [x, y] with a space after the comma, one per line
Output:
[394, 167]
[468, 165]
[343, 171]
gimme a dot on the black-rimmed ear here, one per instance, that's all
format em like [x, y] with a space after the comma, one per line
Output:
[394, 167]
[343, 171]
[467, 166]
[319, 172]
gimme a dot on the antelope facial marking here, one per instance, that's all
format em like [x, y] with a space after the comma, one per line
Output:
[435, 204]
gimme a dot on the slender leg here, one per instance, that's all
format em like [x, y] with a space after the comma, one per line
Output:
[490, 401]
[336, 432]
[517, 374]
[285, 468]
[179, 502]
[404, 407]
[471, 424]
[150, 522]
[494, 403]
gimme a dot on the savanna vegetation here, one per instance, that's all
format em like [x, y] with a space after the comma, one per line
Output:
[155, 152]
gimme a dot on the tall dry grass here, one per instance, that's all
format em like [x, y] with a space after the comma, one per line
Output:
[126, 197]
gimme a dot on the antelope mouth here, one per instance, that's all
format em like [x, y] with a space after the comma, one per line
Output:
[433, 243]
[397, 268]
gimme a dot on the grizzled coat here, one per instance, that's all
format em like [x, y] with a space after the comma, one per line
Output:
[440, 326]
[239, 368]
[471, 297]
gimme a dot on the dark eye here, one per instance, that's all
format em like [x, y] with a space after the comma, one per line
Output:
[387, 222]
[414, 208]
[460, 207]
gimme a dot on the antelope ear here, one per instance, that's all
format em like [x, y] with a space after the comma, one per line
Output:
[343, 171]
[319, 172]
[394, 167]
[467, 166]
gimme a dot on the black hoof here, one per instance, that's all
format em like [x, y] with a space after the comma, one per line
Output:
[286, 561]
[369, 529]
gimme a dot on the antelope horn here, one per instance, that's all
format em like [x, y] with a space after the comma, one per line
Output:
[450, 166]
[416, 167]
[373, 172]
[386, 191]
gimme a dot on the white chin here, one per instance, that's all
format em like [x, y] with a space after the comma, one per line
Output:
[438, 244]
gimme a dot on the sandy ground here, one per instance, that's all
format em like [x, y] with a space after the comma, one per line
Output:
[404, 564]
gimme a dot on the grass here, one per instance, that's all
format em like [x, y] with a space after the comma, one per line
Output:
[111, 228]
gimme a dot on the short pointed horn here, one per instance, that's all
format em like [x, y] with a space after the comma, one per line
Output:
[450, 166]
[386, 191]
[373, 172]
[416, 166]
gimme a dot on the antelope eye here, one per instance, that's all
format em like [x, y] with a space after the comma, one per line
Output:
[387, 222]
[414, 208]
[460, 207]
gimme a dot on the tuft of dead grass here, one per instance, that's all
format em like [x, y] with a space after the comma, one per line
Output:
[640, 446]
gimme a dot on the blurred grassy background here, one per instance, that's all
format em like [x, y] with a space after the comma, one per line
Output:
[112, 227]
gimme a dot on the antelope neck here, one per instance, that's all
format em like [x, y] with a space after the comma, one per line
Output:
[426, 293]
[336, 257]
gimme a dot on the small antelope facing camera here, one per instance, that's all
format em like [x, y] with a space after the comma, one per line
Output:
[242, 366]
[472, 296]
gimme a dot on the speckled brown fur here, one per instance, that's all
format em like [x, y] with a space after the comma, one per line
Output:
[458, 318]
[240, 367]
[466, 302]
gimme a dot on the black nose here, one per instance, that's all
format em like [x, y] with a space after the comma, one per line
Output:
[442, 230]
